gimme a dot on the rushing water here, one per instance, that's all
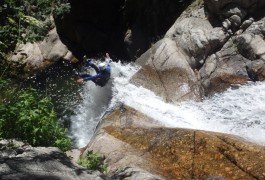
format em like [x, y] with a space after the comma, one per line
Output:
[239, 111]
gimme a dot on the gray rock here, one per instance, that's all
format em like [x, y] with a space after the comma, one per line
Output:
[224, 68]
[38, 56]
[252, 46]
[136, 147]
[20, 161]
[218, 6]
[235, 20]
[226, 24]
[246, 23]
[234, 10]
[135, 174]
[168, 74]
[256, 70]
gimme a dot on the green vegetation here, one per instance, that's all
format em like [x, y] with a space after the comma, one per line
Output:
[26, 21]
[32, 119]
[93, 161]
[24, 115]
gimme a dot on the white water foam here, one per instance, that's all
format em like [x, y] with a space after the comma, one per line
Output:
[94, 103]
[239, 111]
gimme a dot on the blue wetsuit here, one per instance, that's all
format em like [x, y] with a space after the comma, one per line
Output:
[102, 76]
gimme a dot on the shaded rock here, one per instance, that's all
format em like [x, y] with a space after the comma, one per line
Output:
[232, 63]
[223, 69]
[251, 46]
[148, 21]
[232, 13]
[126, 28]
[21, 161]
[172, 153]
[36, 57]
[218, 6]
[234, 9]
[256, 70]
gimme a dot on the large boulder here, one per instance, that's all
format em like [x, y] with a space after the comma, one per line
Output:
[196, 36]
[21, 161]
[240, 60]
[166, 71]
[38, 56]
[170, 67]
[256, 70]
[137, 146]
[223, 69]
[220, 49]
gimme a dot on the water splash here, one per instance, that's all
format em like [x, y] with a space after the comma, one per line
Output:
[238, 111]
[94, 103]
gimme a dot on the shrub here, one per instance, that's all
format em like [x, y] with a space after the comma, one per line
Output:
[27, 20]
[93, 161]
[30, 118]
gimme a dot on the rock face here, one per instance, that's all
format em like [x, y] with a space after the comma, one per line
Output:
[36, 57]
[136, 144]
[21, 161]
[167, 72]
[124, 27]
[212, 45]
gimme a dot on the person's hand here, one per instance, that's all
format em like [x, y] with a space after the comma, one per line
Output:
[107, 55]
[80, 81]
[107, 58]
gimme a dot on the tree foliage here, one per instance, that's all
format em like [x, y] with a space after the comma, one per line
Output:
[30, 118]
[24, 114]
[26, 20]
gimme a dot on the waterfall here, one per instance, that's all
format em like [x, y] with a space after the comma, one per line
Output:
[238, 111]
[95, 102]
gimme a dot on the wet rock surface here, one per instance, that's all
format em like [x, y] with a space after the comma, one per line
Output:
[173, 153]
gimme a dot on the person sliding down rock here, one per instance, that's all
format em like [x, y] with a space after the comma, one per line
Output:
[103, 71]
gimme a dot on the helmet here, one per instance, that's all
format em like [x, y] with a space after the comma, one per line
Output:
[102, 66]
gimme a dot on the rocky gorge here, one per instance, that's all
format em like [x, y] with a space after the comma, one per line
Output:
[211, 46]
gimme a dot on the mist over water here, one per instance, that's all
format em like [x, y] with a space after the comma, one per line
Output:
[239, 111]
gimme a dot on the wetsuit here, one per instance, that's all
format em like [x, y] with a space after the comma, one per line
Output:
[102, 76]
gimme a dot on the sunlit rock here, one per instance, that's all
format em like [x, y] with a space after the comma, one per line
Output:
[129, 139]
[21, 161]
[38, 56]
[168, 73]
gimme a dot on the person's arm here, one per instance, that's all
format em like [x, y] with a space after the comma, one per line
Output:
[82, 80]
[92, 77]
[89, 63]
